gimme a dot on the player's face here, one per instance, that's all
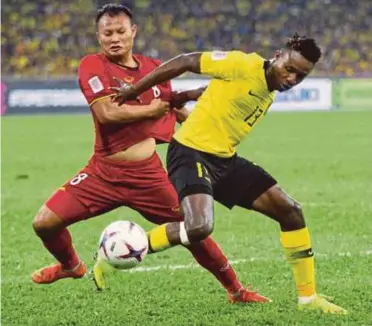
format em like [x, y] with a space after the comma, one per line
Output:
[116, 35]
[290, 68]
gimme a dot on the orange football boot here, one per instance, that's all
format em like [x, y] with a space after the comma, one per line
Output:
[55, 272]
[246, 296]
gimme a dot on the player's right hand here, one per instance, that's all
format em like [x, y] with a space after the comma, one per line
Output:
[124, 92]
[159, 107]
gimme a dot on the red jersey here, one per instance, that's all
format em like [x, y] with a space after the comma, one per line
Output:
[96, 75]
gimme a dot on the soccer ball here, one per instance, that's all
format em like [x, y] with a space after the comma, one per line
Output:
[123, 244]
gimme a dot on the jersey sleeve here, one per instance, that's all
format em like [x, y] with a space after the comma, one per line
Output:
[156, 62]
[224, 65]
[93, 81]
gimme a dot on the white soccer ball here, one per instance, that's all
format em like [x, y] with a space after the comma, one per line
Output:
[123, 244]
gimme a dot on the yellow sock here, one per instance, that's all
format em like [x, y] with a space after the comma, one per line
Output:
[158, 239]
[297, 248]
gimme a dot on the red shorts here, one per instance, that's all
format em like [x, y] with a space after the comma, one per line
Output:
[104, 185]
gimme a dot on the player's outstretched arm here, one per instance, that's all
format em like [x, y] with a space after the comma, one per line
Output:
[168, 70]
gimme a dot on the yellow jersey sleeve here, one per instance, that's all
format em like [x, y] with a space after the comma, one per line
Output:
[229, 65]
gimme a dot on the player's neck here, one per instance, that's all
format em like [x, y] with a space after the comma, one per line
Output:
[269, 76]
[126, 61]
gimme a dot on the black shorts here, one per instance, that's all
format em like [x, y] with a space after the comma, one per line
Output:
[231, 181]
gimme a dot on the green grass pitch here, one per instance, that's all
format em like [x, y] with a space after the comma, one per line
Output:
[323, 159]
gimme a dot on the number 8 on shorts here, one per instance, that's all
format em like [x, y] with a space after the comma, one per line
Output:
[80, 177]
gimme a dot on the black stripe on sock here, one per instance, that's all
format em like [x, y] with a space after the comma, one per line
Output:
[303, 254]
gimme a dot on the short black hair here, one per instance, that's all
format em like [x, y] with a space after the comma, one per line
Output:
[307, 47]
[113, 9]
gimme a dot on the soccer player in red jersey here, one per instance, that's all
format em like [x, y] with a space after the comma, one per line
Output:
[125, 169]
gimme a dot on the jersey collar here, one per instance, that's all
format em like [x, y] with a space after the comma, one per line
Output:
[127, 67]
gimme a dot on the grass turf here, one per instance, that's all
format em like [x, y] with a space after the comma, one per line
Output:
[323, 159]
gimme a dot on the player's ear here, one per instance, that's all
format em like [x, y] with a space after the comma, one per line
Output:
[278, 53]
[99, 41]
[134, 30]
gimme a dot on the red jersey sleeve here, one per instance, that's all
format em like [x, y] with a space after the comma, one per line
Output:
[157, 62]
[93, 81]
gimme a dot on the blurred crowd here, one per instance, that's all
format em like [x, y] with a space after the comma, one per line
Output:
[47, 39]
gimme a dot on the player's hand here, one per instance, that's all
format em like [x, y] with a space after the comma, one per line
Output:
[125, 92]
[178, 99]
[181, 114]
[159, 107]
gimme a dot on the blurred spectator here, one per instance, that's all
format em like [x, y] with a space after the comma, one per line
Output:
[47, 39]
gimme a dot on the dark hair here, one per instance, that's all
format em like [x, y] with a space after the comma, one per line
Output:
[306, 46]
[113, 9]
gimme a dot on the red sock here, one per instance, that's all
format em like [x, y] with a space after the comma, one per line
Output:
[209, 255]
[60, 246]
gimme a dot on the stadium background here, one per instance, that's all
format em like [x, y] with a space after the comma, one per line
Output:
[44, 41]
[323, 158]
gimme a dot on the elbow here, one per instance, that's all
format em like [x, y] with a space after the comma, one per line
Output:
[192, 61]
[104, 118]
[114, 116]
[106, 112]
[186, 62]
[109, 116]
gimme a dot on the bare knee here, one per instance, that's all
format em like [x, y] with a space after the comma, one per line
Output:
[199, 232]
[199, 219]
[46, 222]
[279, 206]
[293, 218]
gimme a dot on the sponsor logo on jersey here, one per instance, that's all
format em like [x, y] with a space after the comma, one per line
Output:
[255, 95]
[219, 55]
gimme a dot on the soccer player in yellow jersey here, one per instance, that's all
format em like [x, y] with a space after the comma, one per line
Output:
[202, 161]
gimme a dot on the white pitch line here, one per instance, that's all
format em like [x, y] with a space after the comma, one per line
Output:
[238, 261]
[192, 265]
[140, 269]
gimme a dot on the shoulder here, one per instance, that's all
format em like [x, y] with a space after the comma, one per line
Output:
[254, 59]
[251, 57]
[92, 61]
[148, 60]
[254, 64]
[235, 57]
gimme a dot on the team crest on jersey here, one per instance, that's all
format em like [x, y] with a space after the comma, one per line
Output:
[219, 55]
[95, 84]
[128, 79]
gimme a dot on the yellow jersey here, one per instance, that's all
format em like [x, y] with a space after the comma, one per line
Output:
[236, 99]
